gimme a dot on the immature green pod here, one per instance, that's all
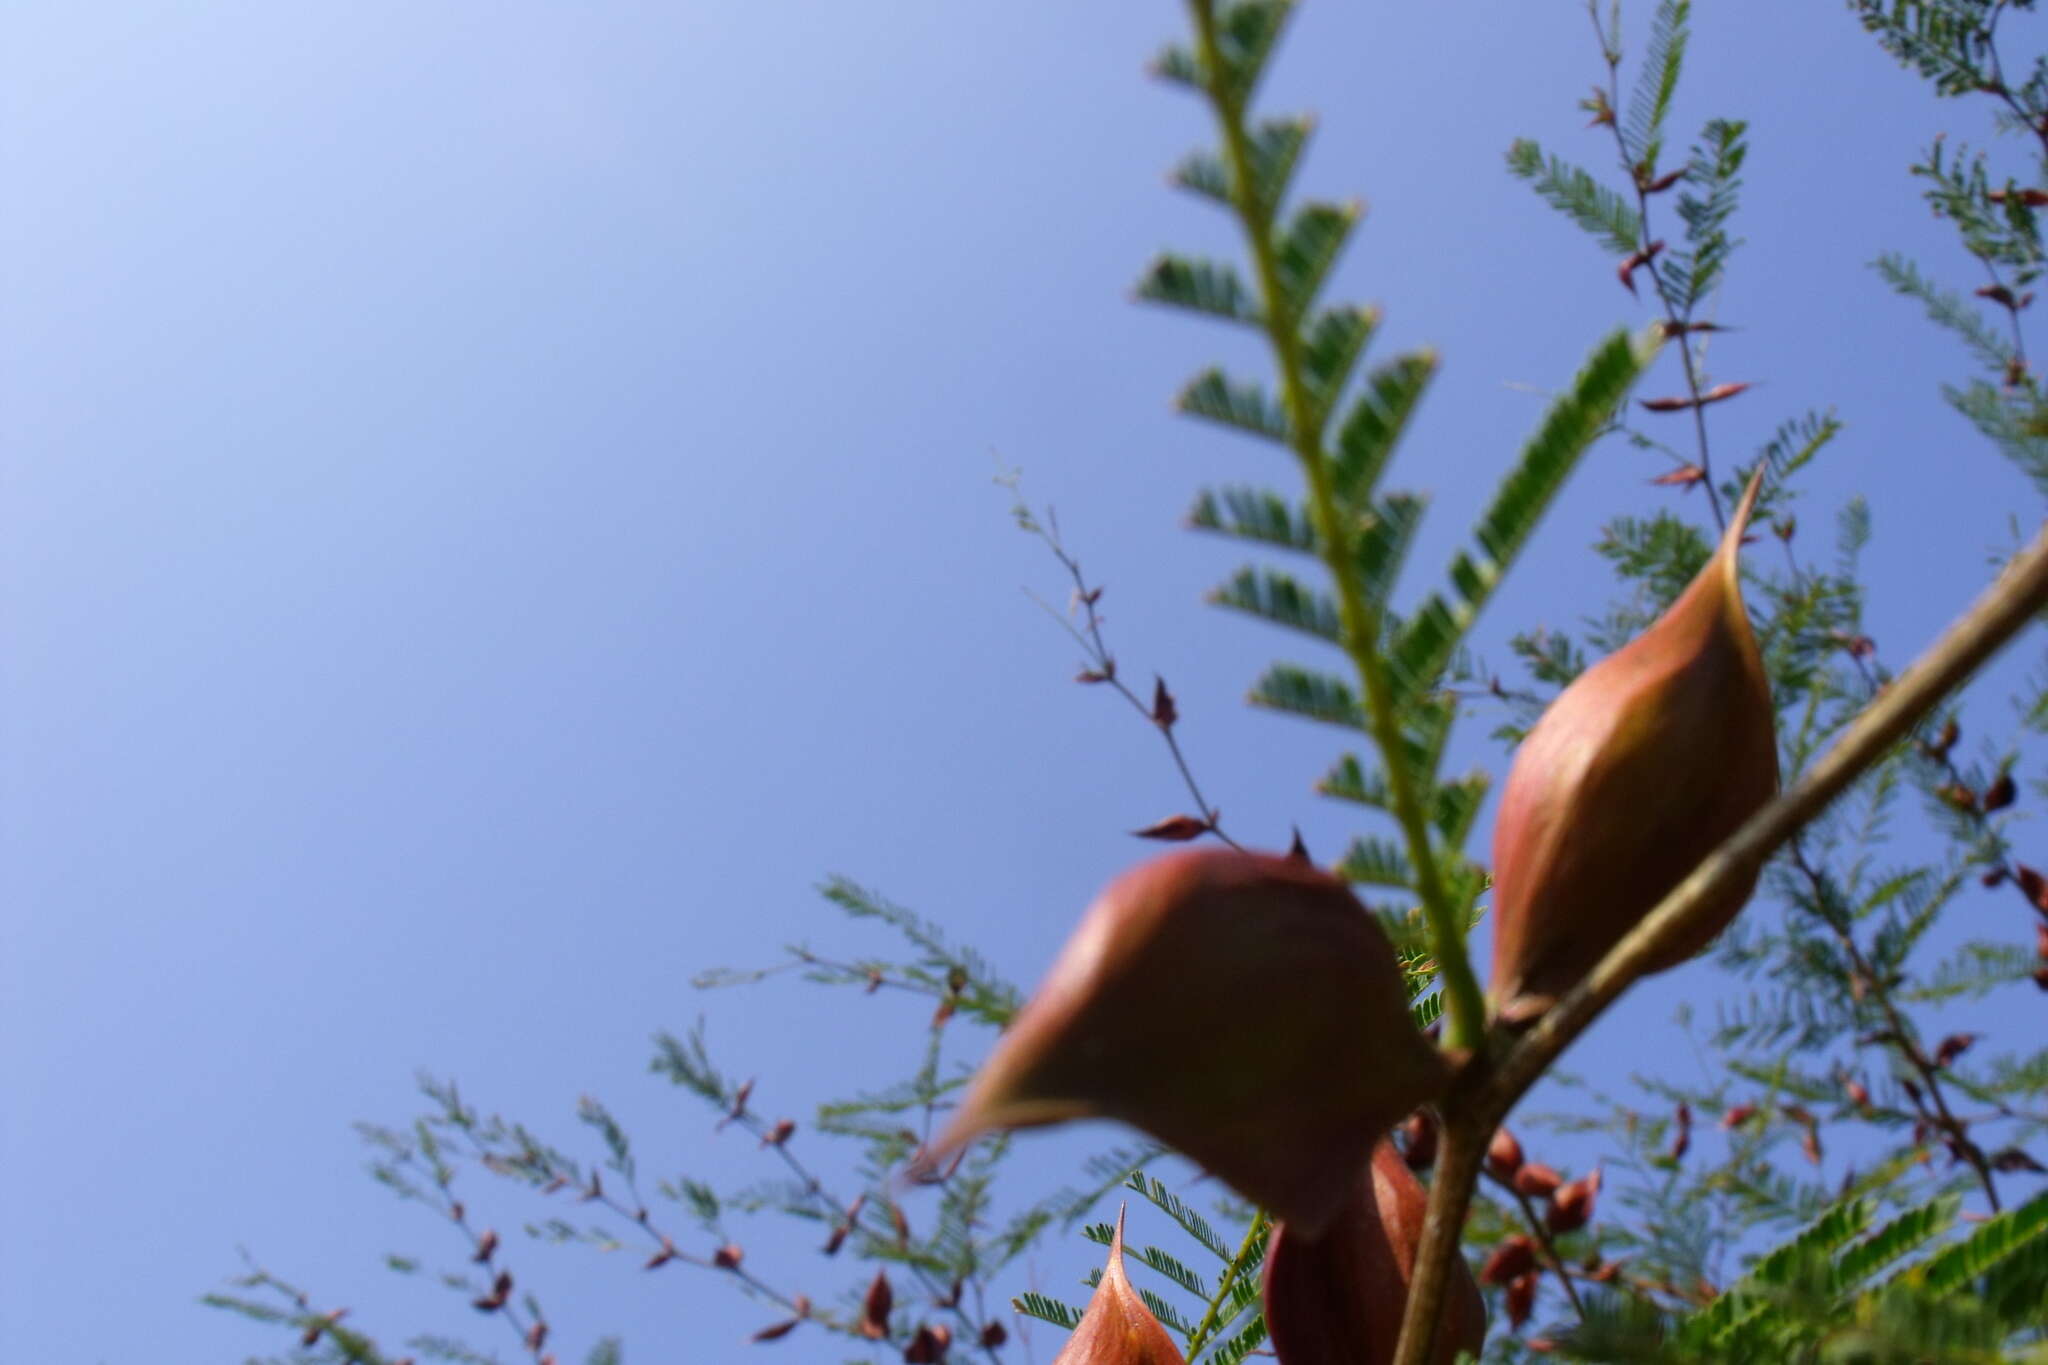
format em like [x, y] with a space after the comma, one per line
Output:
[1242, 1008]
[1637, 771]
[1336, 1298]
[1118, 1329]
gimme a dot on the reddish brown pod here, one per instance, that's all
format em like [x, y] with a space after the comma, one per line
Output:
[1242, 1008]
[1118, 1329]
[1637, 771]
[1336, 1297]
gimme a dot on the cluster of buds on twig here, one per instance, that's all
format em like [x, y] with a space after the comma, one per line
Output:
[1517, 1263]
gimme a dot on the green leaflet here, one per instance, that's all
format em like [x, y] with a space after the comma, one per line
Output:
[1200, 286]
[1312, 695]
[1657, 82]
[1573, 192]
[1216, 398]
[1280, 598]
[1431, 636]
[1256, 515]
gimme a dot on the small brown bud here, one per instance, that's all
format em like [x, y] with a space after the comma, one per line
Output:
[486, 1246]
[1521, 1300]
[1952, 1047]
[1513, 1258]
[537, 1335]
[993, 1335]
[2000, 793]
[1419, 1132]
[2032, 885]
[1503, 1155]
[779, 1134]
[1636, 260]
[1164, 712]
[1995, 877]
[1175, 829]
[661, 1257]
[1737, 1115]
[727, 1257]
[929, 1345]
[1537, 1180]
[1572, 1206]
[776, 1331]
[875, 1307]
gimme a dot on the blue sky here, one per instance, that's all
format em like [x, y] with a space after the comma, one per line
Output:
[499, 504]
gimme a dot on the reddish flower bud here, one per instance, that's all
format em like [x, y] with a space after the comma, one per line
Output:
[930, 1344]
[875, 1307]
[1572, 1206]
[1512, 1259]
[1118, 1329]
[1738, 1115]
[2001, 793]
[1537, 1180]
[1336, 1297]
[1521, 1300]
[1418, 1130]
[1504, 1154]
[1126, 1026]
[1637, 771]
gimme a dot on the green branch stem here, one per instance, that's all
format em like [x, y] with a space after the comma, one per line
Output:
[1486, 1090]
[1359, 616]
[1247, 1251]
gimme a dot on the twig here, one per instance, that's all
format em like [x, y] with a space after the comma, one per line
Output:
[1677, 320]
[1102, 664]
[1902, 1037]
[1544, 1241]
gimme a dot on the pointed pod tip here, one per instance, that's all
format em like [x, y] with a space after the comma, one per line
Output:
[1739, 521]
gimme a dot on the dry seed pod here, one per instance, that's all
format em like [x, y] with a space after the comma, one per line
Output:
[1336, 1298]
[1637, 771]
[1118, 1329]
[1127, 1025]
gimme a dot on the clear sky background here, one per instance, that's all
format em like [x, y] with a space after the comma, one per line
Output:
[497, 504]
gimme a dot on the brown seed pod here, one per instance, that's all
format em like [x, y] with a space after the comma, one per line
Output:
[1127, 1026]
[1637, 771]
[1118, 1329]
[1336, 1298]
